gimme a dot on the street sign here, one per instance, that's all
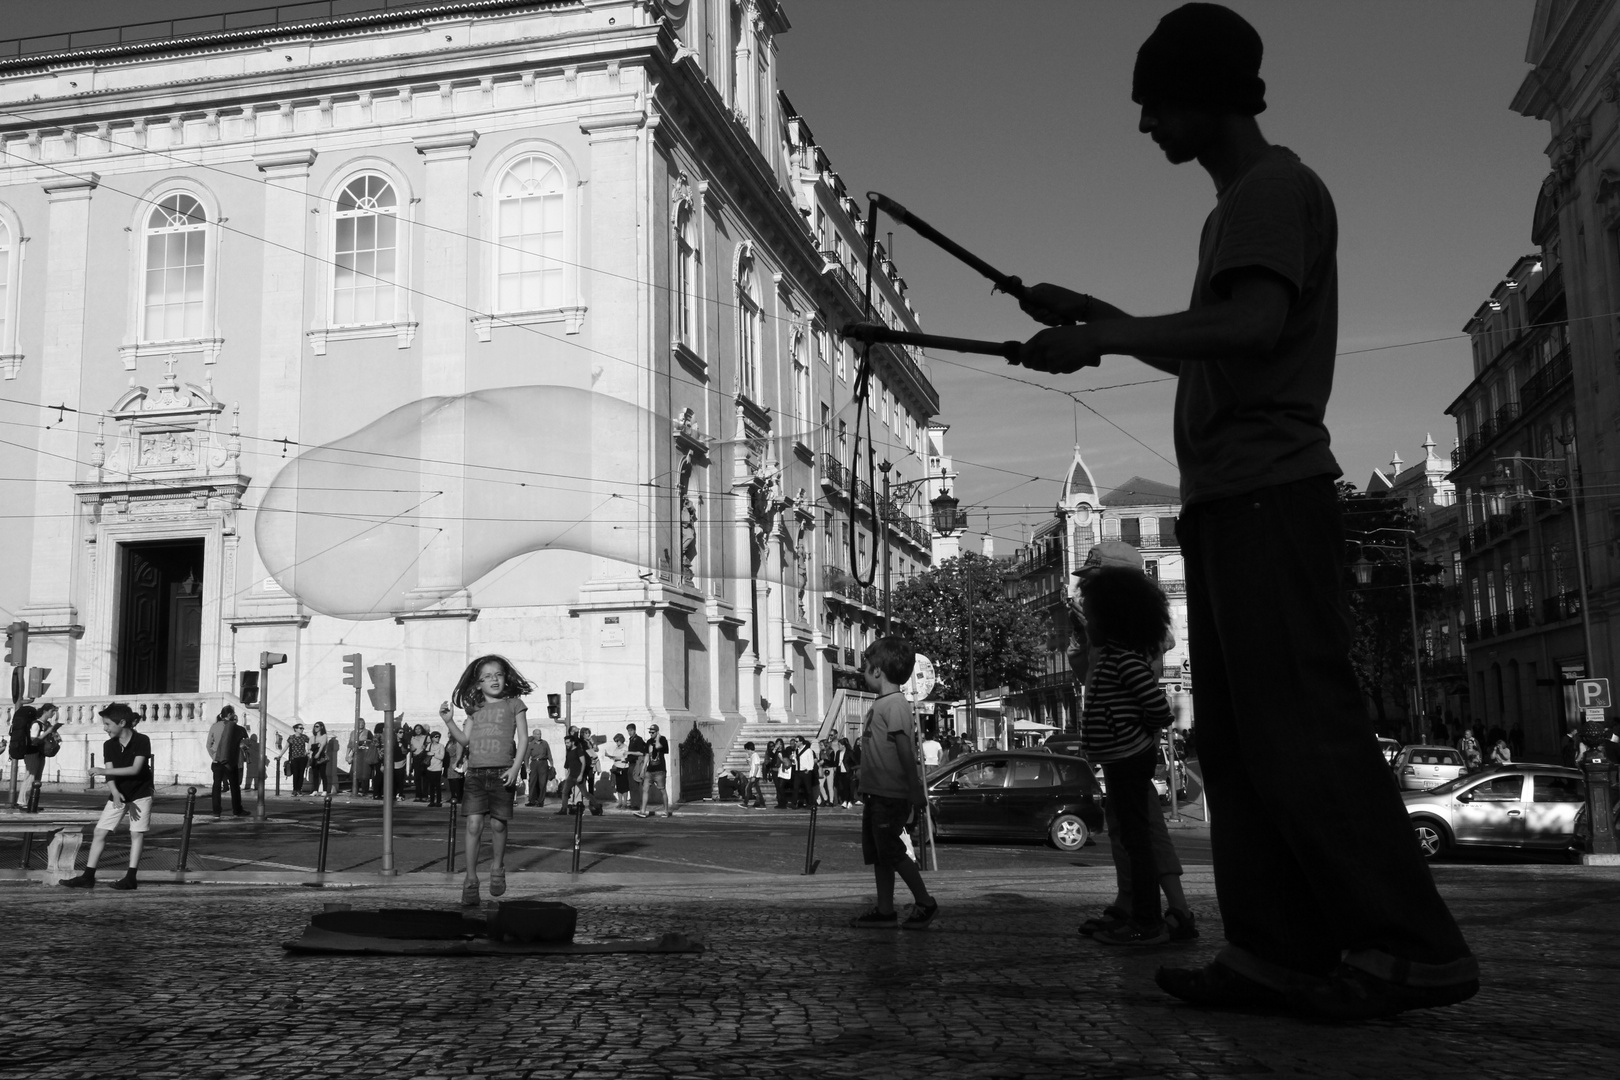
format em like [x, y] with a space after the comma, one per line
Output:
[923, 678]
[1594, 716]
[1592, 693]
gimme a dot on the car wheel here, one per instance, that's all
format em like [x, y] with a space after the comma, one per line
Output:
[1069, 832]
[1431, 839]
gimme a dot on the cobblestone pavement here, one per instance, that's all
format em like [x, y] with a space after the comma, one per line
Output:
[190, 980]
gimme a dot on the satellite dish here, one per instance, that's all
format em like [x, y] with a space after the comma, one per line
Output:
[922, 681]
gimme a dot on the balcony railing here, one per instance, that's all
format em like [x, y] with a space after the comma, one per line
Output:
[834, 473]
[1563, 606]
[1550, 289]
[840, 583]
[1550, 378]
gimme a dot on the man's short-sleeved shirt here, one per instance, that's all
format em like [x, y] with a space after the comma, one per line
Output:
[492, 733]
[121, 755]
[1257, 421]
[886, 768]
[657, 754]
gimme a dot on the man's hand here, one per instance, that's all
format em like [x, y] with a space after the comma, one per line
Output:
[1054, 305]
[510, 777]
[1060, 350]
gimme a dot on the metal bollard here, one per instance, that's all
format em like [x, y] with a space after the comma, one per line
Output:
[810, 861]
[326, 830]
[27, 849]
[579, 832]
[185, 828]
[450, 859]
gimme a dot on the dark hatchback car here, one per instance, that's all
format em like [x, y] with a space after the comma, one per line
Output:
[1016, 795]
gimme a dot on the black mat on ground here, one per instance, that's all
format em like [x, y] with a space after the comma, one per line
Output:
[429, 932]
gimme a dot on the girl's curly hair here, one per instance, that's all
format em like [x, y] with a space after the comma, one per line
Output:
[1127, 608]
[469, 698]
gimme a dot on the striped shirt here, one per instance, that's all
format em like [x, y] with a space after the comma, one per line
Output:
[1125, 709]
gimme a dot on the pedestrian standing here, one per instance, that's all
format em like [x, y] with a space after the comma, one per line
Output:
[128, 757]
[402, 756]
[804, 775]
[455, 769]
[225, 739]
[490, 692]
[539, 767]
[435, 770]
[892, 786]
[657, 774]
[1340, 923]
[932, 751]
[826, 766]
[379, 759]
[419, 743]
[618, 758]
[573, 756]
[25, 745]
[1469, 748]
[322, 760]
[636, 748]
[841, 775]
[779, 767]
[1500, 754]
[252, 763]
[297, 758]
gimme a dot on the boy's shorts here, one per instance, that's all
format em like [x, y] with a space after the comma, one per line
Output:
[486, 793]
[113, 813]
[883, 819]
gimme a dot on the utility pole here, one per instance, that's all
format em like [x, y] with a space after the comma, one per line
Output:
[1580, 549]
[972, 687]
[882, 524]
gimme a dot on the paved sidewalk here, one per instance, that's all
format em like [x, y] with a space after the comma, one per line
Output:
[190, 981]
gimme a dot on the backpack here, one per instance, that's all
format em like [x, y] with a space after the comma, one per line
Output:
[51, 743]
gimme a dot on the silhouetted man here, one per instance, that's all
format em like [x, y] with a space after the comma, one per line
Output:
[1333, 914]
[225, 741]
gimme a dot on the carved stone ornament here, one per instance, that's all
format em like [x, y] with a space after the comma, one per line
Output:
[168, 431]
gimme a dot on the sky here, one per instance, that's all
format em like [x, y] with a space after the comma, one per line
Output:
[1008, 125]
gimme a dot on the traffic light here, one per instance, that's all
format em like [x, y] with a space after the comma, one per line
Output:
[554, 706]
[36, 682]
[17, 644]
[382, 687]
[248, 687]
[351, 670]
[271, 659]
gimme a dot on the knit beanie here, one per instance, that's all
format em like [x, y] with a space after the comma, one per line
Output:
[1204, 56]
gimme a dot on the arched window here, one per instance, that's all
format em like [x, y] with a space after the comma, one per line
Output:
[749, 316]
[686, 276]
[365, 253]
[801, 392]
[529, 262]
[176, 261]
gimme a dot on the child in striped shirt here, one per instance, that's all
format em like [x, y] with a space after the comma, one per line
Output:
[1128, 617]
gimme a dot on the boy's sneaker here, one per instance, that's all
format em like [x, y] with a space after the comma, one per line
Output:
[81, 881]
[124, 884]
[1131, 934]
[469, 894]
[1182, 926]
[921, 915]
[876, 920]
[1112, 918]
[497, 880]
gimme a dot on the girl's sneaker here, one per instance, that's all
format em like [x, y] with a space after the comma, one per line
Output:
[921, 915]
[876, 920]
[1182, 926]
[497, 880]
[469, 894]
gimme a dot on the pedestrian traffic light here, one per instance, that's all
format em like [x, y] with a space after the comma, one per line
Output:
[382, 687]
[351, 670]
[248, 687]
[554, 706]
[36, 682]
[17, 644]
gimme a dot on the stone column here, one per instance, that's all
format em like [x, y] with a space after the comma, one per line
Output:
[56, 511]
[282, 316]
[445, 206]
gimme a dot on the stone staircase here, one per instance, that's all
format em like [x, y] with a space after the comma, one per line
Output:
[848, 707]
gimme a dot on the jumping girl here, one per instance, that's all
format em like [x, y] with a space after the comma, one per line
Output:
[496, 739]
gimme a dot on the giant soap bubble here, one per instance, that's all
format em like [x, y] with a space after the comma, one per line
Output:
[429, 498]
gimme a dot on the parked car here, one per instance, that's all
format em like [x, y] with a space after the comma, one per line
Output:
[1419, 768]
[1505, 806]
[1016, 794]
[1389, 747]
[1070, 744]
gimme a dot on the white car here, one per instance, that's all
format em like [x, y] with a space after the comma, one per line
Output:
[1507, 806]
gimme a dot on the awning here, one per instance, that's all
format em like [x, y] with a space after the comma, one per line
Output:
[1030, 725]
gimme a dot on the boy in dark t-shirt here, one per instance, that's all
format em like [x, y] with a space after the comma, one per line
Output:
[128, 757]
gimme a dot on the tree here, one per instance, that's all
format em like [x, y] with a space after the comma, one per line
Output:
[1377, 528]
[1008, 645]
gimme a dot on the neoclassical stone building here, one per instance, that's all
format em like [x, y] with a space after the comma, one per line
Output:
[228, 247]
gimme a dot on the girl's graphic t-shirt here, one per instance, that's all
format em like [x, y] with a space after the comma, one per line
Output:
[492, 733]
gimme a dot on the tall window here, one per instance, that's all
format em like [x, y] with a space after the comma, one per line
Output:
[365, 252]
[686, 275]
[529, 217]
[749, 316]
[801, 393]
[5, 287]
[176, 256]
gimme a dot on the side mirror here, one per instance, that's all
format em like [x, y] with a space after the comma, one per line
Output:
[1467, 796]
[953, 786]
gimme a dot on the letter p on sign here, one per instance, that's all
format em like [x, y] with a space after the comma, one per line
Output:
[1592, 693]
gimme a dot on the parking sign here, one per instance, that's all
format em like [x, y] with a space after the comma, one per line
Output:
[1592, 693]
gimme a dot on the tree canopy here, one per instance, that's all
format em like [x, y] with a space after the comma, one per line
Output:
[1009, 642]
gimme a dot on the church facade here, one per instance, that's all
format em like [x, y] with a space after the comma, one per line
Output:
[228, 249]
